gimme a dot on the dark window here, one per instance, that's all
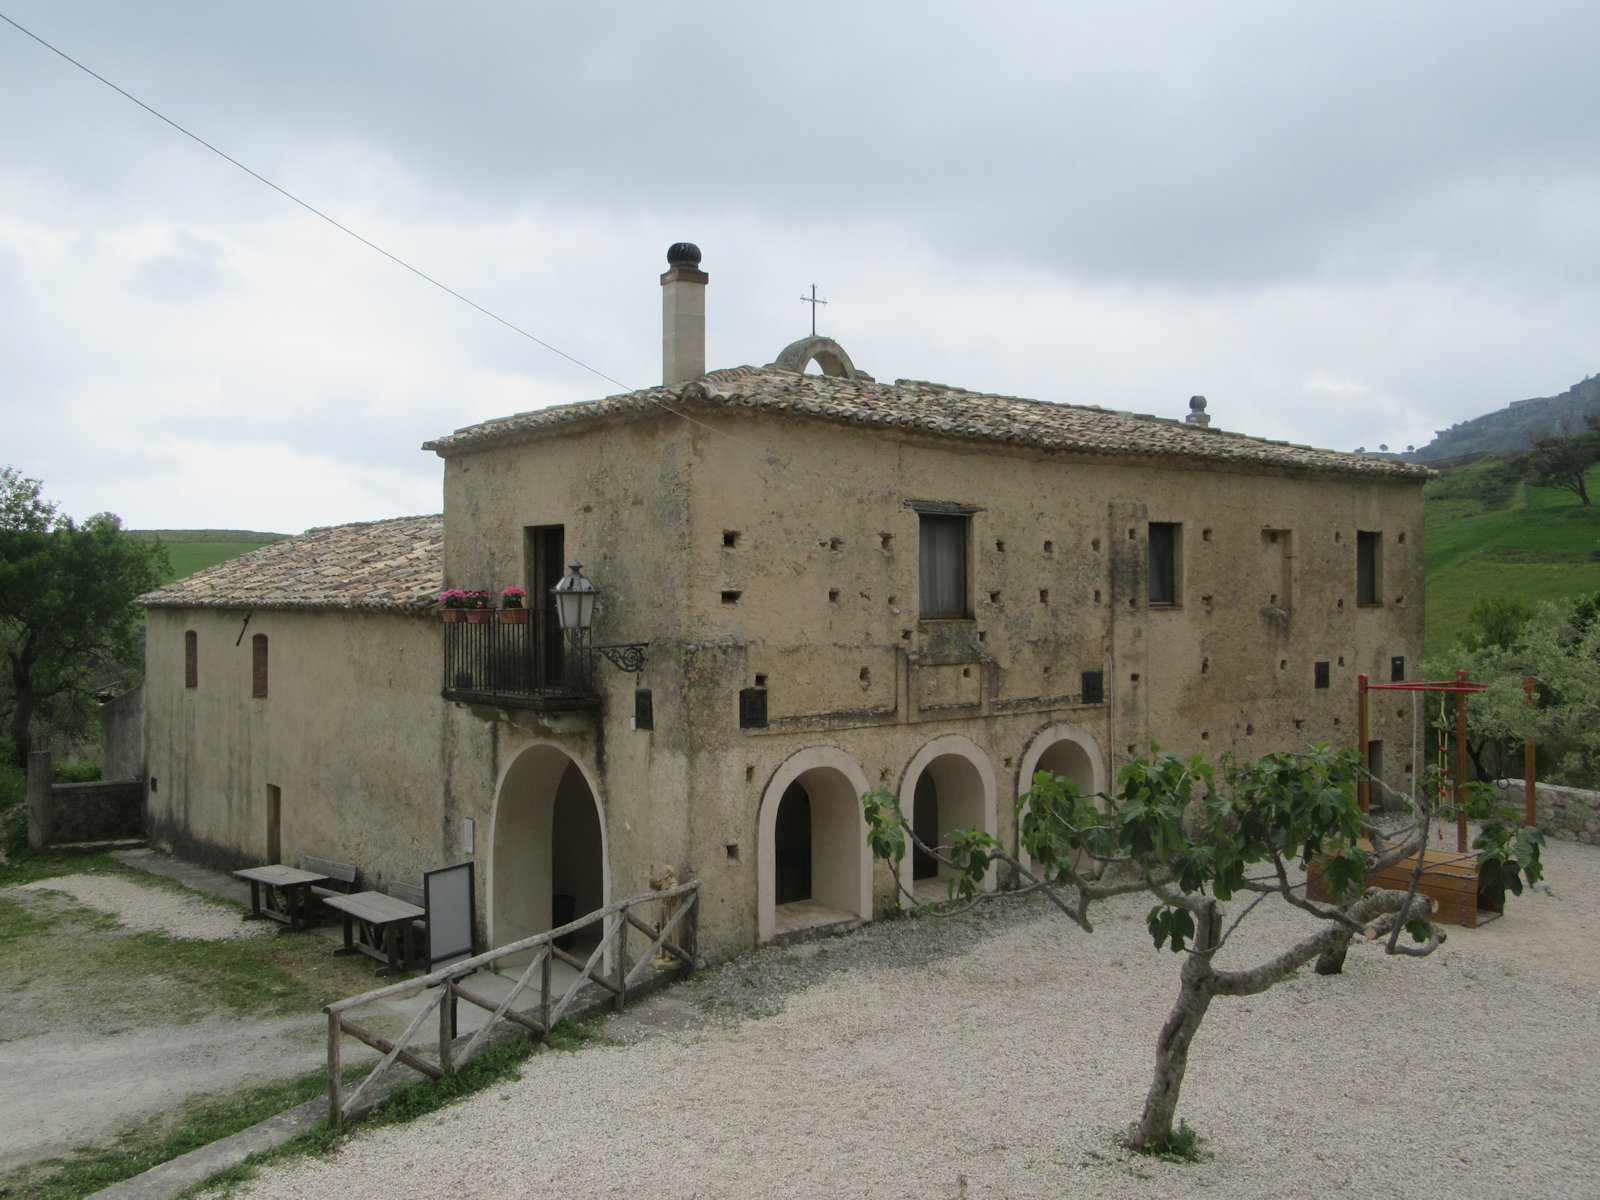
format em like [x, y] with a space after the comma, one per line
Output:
[1094, 687]
[191, 659]
[1369, 568]
[258, 665]
[753, 708]
[1320, 673]
[942, 565]
[1164, 562]
[644, 710]
[1397, 669]
[544, 559]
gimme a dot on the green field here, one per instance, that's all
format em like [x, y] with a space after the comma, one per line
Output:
[1489, 534]
[194, 550]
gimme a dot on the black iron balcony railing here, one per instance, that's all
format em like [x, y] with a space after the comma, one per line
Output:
[526, 665]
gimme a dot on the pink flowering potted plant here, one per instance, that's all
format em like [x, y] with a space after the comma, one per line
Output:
[513, 606]
[477, 605]
[455, 605]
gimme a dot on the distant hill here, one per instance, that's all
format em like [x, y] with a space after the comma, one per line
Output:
[1513, 428]
[194, 550]
[1491, 534]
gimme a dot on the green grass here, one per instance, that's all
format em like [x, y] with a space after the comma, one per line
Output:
[149, 1143]
[1492, 535]
[194, 550]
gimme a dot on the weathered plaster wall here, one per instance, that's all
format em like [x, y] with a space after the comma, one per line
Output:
[350, 734]
[784, 556]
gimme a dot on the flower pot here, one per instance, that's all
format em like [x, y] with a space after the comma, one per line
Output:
[513, 616]
[479, 616]
[453, 615]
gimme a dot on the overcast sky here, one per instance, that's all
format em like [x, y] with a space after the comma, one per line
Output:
[1345, 224]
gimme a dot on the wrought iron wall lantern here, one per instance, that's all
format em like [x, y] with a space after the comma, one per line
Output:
[574, 597]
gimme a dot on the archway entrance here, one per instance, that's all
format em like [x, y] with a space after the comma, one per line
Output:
[814, 868]
[950, 786]
[549, 863]
[1069, 751]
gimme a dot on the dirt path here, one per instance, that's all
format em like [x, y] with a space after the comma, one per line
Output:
[109, 1027]
[84, 1089]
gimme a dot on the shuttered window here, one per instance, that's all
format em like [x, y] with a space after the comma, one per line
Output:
[1163, 562]
[942, 565]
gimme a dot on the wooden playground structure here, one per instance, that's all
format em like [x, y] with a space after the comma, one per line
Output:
[1449, 878]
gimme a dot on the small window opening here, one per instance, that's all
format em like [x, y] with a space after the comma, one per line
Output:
[731, 597]
[258, 666]
[1094, 544]
[835, 543]
[732, 851]
[1049, 547]
[994, 597]
[730, 538]
[1044, 595]
[1000, 545]
[884, 539]
[1319, 673]
[761, 681]
[191, 659]
[833, 595]
[1397, 669]
[1097, 595]
[1094, 687]
[1205, 535]
[866, 675]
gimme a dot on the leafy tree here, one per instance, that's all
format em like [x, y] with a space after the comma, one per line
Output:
[1559, 647]
[1195, 837]
[1496, 621]
[1563, 460]
[67, 621]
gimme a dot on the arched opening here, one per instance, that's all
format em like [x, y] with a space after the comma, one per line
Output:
[949, 785]
[549, 862]
[814, 868]
[1066, 750]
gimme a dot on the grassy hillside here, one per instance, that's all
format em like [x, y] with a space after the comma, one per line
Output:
[194, 550]
[1489, 534]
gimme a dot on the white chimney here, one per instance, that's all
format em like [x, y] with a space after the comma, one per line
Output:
[683, 315]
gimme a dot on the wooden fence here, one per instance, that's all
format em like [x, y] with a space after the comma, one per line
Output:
[678, 912]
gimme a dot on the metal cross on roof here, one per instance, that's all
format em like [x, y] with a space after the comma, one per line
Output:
[813, 301]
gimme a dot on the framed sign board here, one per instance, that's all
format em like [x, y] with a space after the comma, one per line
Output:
[451, 902]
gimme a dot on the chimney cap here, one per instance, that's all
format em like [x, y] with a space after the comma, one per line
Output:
[683, 254]
[1197, 412]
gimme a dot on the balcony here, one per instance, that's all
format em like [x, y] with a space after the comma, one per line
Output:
[527, 665]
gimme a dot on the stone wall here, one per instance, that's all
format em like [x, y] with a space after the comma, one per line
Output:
[63, 813]
[122, 736]
[1571, 814]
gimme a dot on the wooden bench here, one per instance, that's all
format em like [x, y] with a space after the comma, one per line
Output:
[412, 894]
[340, 878]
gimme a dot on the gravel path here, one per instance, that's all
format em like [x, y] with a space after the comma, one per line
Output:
[150, 909]
[999, 1056]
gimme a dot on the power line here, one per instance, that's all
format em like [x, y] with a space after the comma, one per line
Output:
[371, 245]
[288, 195]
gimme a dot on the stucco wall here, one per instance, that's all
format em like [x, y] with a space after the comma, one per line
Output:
[350, 734]
[784, 555]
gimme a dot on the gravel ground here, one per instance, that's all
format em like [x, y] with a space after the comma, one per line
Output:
[1001, 1055]
[150, 909]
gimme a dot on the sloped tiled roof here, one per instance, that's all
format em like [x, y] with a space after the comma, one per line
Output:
[931, 408]
[382, 566]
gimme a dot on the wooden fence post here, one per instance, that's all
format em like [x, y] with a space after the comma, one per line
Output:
[1530, 762]
[40, 831]
[447, 1031]
[335, 1072]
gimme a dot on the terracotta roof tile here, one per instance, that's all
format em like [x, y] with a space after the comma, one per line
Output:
[933, 408]
[383, 566]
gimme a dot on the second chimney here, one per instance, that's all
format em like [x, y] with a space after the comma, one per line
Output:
[683, 315]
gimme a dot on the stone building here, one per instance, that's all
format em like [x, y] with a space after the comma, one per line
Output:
[810, 585]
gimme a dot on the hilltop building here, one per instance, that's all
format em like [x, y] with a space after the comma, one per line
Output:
[810, 585]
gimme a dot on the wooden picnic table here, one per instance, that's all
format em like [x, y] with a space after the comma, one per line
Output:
[294, 887]
[385, 927]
